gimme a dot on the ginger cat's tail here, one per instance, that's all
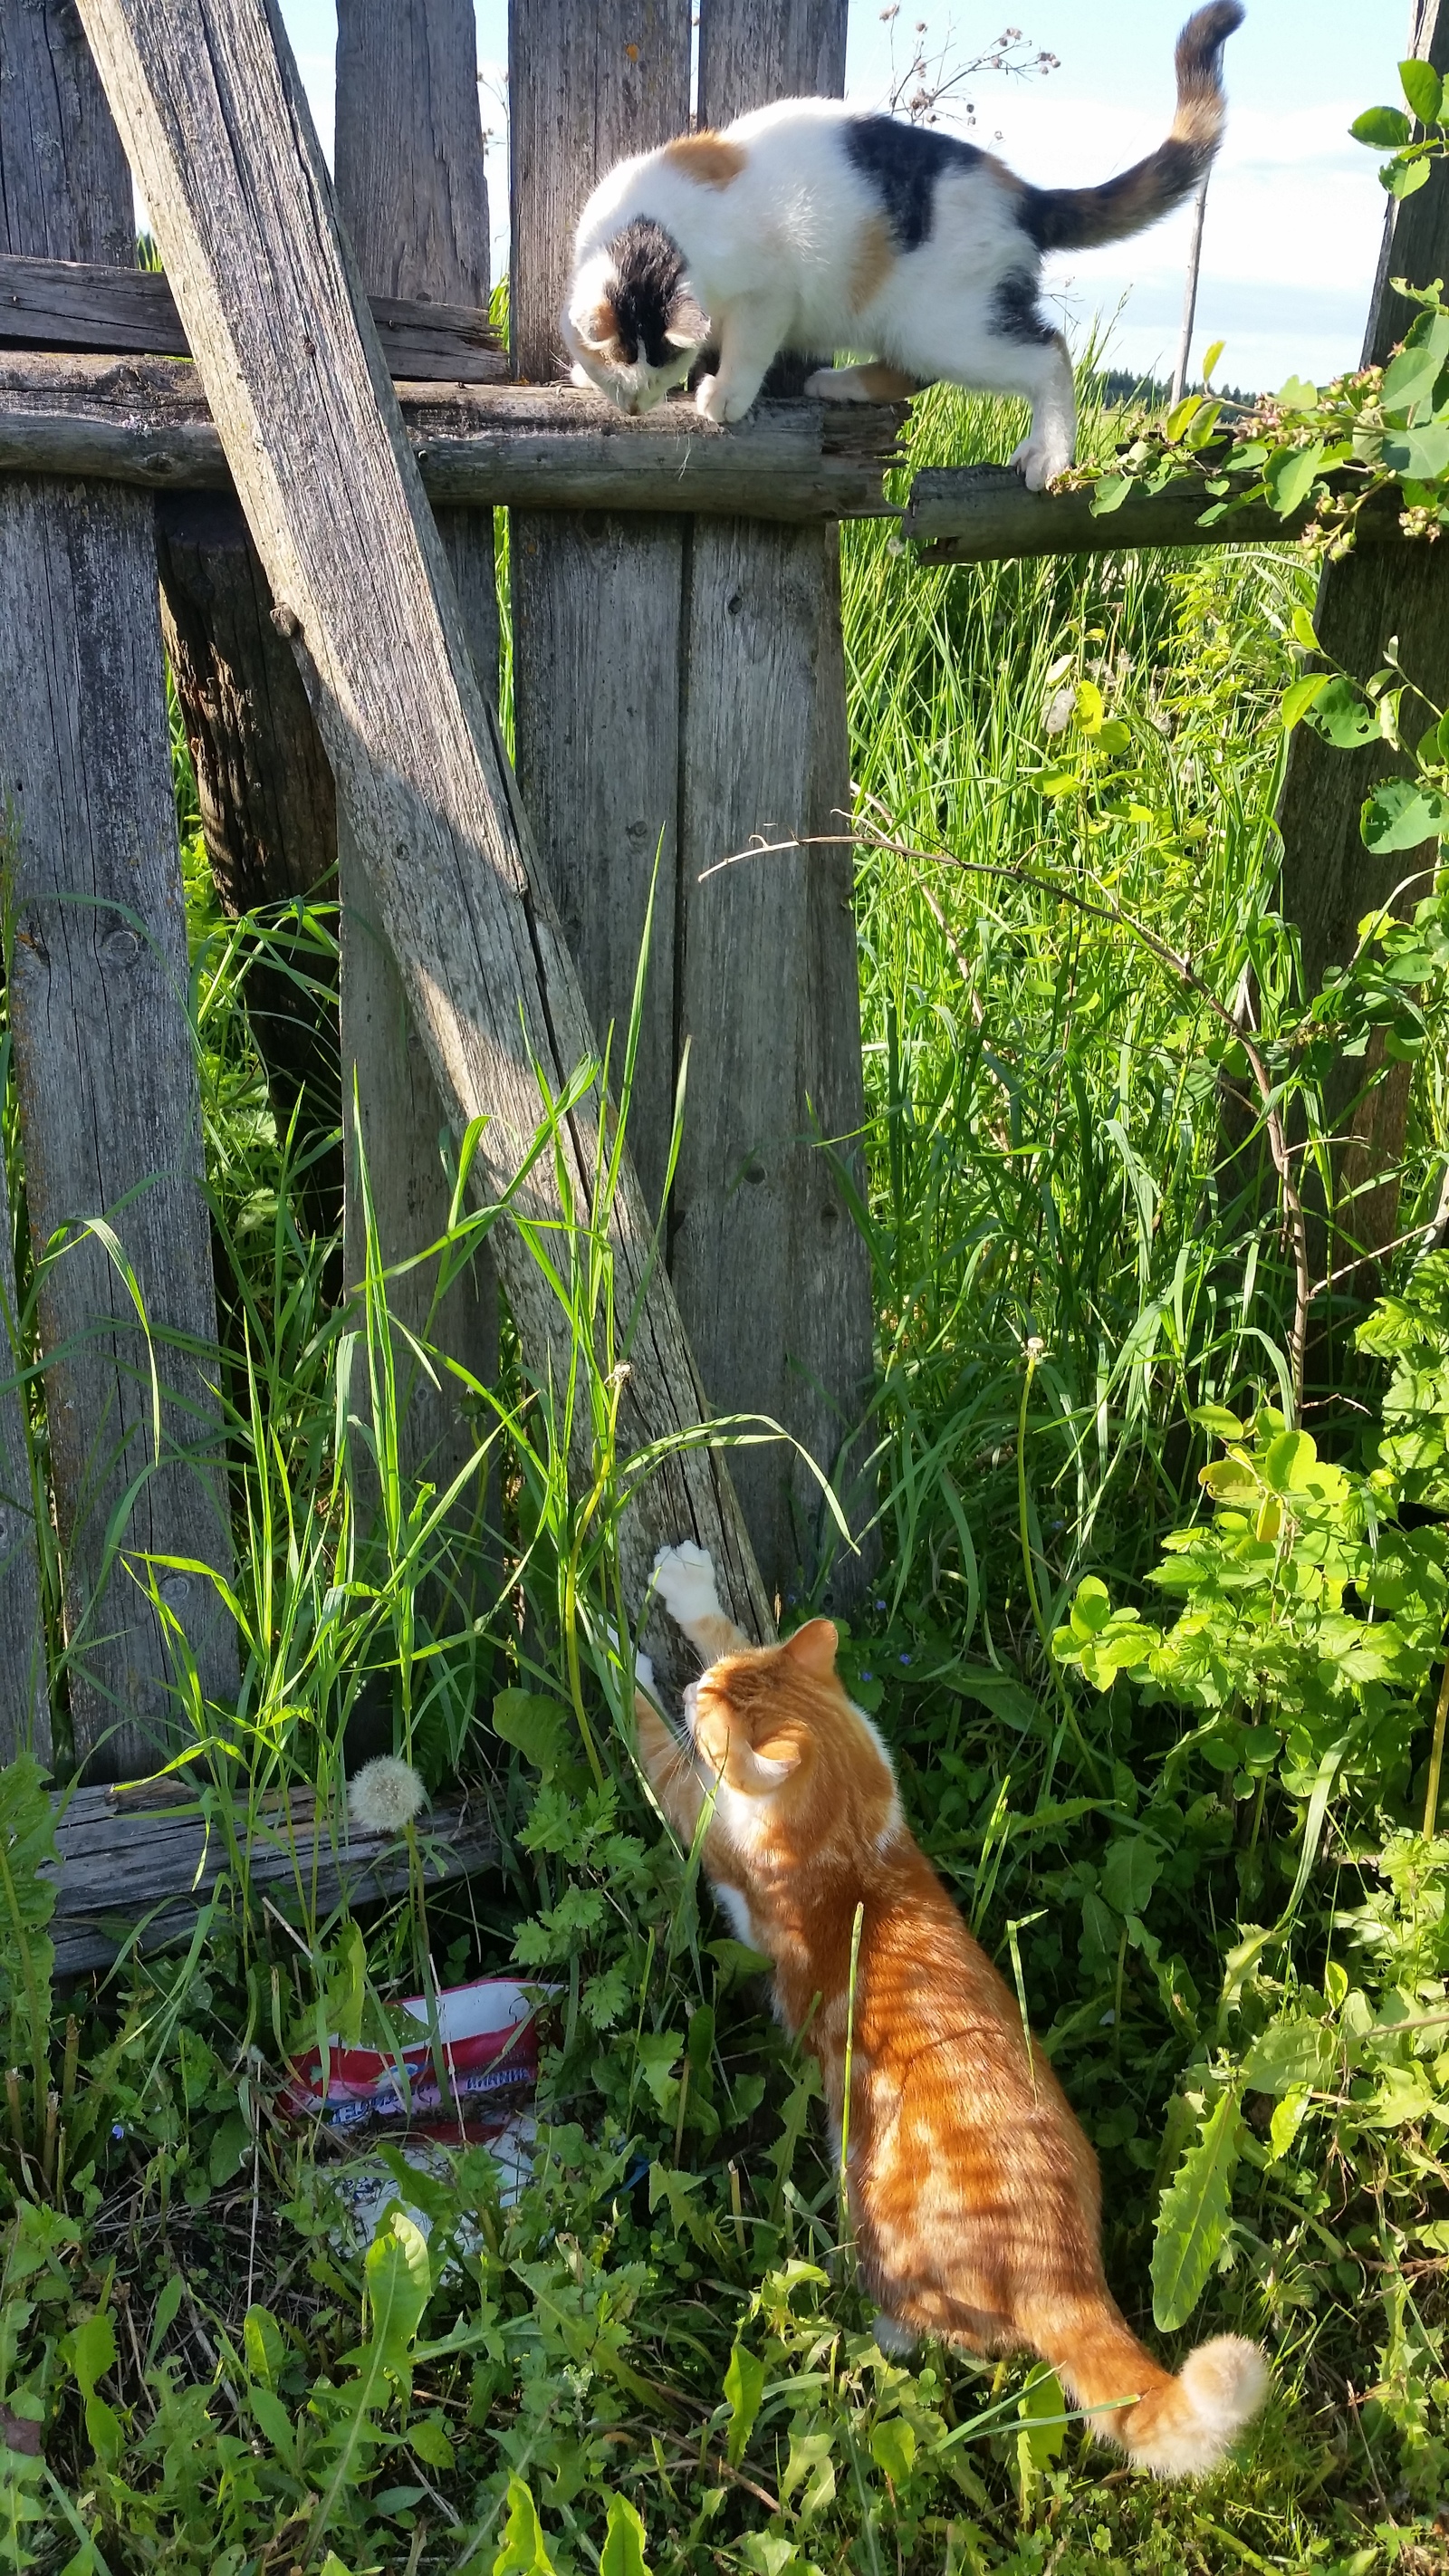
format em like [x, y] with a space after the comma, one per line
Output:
[1179, 2427]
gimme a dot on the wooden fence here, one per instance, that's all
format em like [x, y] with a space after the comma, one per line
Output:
[678, 689]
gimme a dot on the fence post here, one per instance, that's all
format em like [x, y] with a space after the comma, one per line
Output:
[104, 1062]
[596, 595]
[680, 687]
[773, 1279]
[412, 194]
[1330, 881]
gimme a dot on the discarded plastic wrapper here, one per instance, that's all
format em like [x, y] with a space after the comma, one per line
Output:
[368, 2188]
[489, 2042]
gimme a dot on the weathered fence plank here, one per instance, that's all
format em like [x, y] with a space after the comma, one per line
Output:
[79, 304]
[597, 602]
[773, 1278]
[24, 1687]
[1329, 879]
[145, 421]
[412, 194]
[104, 1067]
[221, 137]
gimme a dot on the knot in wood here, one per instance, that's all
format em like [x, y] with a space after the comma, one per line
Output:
[286, 620]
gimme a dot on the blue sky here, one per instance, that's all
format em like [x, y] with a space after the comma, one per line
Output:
[1295, 210]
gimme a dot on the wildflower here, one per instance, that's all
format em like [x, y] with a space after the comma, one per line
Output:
[384, 1796]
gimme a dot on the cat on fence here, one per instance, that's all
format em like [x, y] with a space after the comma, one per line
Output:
[807, 226]
[974, 2195]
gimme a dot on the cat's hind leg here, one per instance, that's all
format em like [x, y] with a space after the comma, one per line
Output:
[866, 384]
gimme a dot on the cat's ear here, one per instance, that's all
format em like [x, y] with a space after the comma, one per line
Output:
[813, 1648]
[688, 324]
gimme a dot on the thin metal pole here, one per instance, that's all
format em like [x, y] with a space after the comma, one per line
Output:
[1189, 293]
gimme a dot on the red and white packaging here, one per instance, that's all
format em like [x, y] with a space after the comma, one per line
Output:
[489, 2043]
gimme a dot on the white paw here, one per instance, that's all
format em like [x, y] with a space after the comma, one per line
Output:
[836, 384]
[892, 2339]
[1040, 460]
[709, 399]
[684, 1580]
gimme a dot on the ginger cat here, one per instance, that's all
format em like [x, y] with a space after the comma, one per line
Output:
[974, 2193]
[810, 226]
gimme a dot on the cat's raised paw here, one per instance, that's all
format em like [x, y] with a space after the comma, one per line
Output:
[684, 1581]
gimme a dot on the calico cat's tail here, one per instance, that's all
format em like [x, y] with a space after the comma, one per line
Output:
[1076, 218]
[1179, 2427]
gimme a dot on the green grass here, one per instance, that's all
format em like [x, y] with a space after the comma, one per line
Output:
[1068, 1263]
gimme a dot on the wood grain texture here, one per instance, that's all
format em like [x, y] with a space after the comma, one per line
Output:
[411, 184]
[109, 1110]
[24, 1686]
[772, 1278]
[596, 654]
[72, 304]
[146, 421]
[1330, 880]
[585, 86]
[220, 134]
[65, 191]
[411, 193]
[753, 51]
[596, 597]
[147, 1866]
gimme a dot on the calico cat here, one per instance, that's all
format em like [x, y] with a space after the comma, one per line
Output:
[974, 2194]
[806, 226]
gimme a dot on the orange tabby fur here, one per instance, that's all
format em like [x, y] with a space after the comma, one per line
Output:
[974, 2193]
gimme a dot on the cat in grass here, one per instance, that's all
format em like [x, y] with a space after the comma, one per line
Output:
[807, 226]
[974, 2195]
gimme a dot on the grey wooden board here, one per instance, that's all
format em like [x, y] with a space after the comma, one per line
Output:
[146, 421]
[411, 184]
[65, 191]
[597, 602]
[221, 138]
[109, 1108]
[753, 51]
[24, 1688]
[104, 1069]
[585, 86]
[143, 1865]
[1330, 880]
[772, 1278]
[597, 599]
[983, 513]
[74, 304]
[411, 192]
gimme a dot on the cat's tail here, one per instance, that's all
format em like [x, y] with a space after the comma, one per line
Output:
[1178, 2427]
[1076, 218]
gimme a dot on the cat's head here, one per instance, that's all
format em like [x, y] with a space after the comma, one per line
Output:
[775, 1727]
[633, 323]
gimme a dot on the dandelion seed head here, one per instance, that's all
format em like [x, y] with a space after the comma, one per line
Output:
[385, 1795]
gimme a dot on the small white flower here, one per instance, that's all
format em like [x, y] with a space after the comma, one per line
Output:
[385, 1795]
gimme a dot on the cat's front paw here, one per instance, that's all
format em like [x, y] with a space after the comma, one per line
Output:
[1039, 460]
[710, 399]
[684, 1581]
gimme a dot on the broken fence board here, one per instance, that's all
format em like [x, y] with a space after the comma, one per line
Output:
[78, 304]
[147, 421]
[147, 1865]
[221, 139]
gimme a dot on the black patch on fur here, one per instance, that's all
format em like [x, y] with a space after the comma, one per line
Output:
[649, 270]
[1016, 314]
[904, 164]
